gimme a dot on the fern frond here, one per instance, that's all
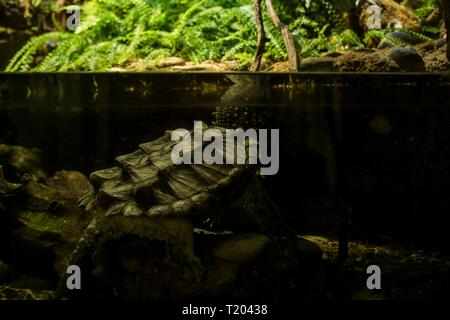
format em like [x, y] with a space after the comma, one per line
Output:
[24, 58]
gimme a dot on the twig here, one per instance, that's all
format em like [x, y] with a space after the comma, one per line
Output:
[294, 57]
[261, 36]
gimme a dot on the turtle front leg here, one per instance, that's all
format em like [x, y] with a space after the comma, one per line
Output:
[86, 242]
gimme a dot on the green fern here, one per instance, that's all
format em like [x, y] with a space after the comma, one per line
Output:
[117, 32]
[23, 60]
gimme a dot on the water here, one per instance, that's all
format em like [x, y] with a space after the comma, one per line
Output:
[375, 143]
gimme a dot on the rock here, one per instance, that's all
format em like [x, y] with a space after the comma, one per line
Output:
[62, 190]
[171, 62]
[317, 64]
[12, 278]
[366, 61]
[398, 38]
[242, 248]
[42, 224]
[309, 249]
[71, 185]
[407, 59]
[7, 293]
[18, 161]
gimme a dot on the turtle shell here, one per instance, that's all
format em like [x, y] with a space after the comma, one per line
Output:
[146, 182]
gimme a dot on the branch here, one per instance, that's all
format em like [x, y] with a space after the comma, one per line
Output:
[261, 36]
[294, 57]
[446, 12]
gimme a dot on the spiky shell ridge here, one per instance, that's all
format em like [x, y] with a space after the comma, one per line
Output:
[147, 183]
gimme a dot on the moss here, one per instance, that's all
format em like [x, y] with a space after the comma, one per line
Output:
[42, 221]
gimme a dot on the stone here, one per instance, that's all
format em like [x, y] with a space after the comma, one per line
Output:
[407, 59]
[242, 248]
[45, 217]
[18, 161]
[317, 64]
[171, 62]
[309, 249]
[7, 293]
[63, 189]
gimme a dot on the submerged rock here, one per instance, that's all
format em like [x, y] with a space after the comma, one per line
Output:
[7, 293]
[62, 190]
[309, 249]
[41, 223]
[243, 248]
[18, 161]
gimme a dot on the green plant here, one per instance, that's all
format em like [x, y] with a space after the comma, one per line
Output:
[423, 9]
[384, 34]
[117, 32]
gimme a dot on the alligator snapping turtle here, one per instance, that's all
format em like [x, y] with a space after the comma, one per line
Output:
[146, 196]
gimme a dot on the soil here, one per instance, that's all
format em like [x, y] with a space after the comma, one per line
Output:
[432, 53]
